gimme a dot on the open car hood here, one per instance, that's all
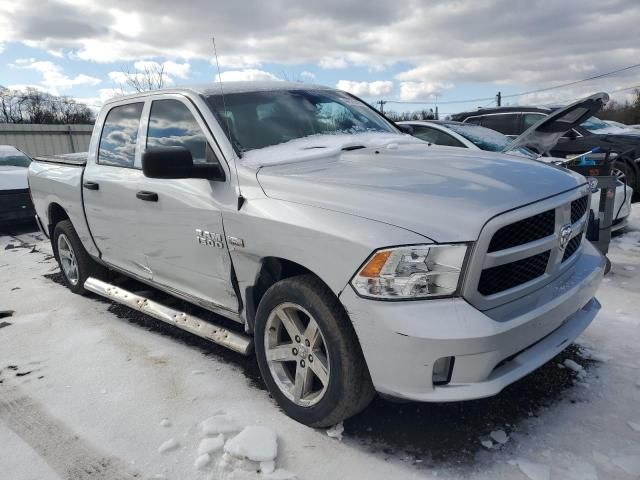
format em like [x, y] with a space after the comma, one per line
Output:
[544, 135]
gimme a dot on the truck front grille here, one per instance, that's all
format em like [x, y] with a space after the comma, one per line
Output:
[578, 208]
[571, 247]
[521, 250]
[524, 231]
[497, 279]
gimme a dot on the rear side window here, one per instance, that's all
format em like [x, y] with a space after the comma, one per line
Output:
[119, 136]
[505, 123]
[171, 124]
[434, 136]
[530, 119]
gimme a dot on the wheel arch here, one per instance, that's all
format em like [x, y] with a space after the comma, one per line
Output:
[55, 214]
[271, 271]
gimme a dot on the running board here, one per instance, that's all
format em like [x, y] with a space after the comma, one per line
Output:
[232, 340]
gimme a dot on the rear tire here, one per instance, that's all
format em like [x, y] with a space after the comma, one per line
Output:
[308, 353]
[75, 263]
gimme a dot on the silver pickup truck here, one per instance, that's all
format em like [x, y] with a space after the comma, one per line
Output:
[353, 258]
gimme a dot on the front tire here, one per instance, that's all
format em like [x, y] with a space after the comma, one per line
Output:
[75, 263]
[308, 353]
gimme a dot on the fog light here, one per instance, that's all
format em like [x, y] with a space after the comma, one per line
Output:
[442, 370]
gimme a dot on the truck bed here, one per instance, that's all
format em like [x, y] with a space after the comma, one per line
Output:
[78, 159]
[56, 183]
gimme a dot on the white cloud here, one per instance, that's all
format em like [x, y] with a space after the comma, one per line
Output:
[527, 46]
[249, 74]
[418, 91]
[332, 63]
[366, 89]
[54, 79]
[180, 70]
[236, 61]
[143, 68]
[126, 23]
[308, 75]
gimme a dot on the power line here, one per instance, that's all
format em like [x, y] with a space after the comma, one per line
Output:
[485, 99]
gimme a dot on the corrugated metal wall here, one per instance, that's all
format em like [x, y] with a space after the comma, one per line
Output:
[46, 139]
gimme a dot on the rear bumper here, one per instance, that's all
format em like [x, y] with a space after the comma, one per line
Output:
[15, 205]
[401, 341]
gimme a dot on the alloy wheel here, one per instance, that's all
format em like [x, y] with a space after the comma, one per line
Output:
[68, 260]
[296, 353]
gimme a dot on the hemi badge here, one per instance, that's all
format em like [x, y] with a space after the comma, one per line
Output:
[236, 242]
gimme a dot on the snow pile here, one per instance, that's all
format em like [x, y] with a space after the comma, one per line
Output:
[255, 443]
[534, 471]
[635, 426]
[219, 424]
[336, 431]
[211, 444]
[499, 436]
[202, 461]
[168, 445]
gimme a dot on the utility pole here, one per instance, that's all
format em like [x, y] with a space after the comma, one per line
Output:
[381, 103]
[437, 117]
[499, 99]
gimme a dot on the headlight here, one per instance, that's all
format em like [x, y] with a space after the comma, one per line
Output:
[418, 271]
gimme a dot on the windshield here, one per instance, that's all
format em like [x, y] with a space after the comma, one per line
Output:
[14, 158]
[487, 139]
[265, 118]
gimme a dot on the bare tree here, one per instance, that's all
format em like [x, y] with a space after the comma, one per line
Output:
[151, 77]
[35, 106]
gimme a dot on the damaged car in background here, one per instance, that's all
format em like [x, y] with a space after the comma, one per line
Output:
[350, 257]
[469, 135]
[15, 202]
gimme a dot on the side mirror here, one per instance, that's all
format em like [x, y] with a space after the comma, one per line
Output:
[177, 162]
[405, 128]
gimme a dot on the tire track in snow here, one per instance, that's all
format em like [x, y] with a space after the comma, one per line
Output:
[65, 452]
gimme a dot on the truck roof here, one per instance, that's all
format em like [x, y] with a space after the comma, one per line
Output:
[227, 88]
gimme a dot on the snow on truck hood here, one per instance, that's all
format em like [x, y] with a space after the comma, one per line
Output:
[13, 178]
[446, 194]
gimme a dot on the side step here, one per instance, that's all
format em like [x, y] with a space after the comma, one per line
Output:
[235, 341]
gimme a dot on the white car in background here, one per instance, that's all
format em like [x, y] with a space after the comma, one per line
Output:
[15, 200]
[467, 135]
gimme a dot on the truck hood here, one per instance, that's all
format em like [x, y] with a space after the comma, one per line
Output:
[544, 135]
[13, 178]
[444, 193]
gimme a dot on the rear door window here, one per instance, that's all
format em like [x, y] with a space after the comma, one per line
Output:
[435, 136]
[119, 136]
[505, 123]
[171, 124]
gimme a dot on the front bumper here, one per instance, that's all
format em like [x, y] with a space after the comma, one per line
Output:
[15, 205]
[401, 341]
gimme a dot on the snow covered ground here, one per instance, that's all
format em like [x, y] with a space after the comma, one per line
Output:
[91, 390]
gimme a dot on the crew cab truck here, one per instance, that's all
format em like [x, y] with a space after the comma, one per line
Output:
[354, 258]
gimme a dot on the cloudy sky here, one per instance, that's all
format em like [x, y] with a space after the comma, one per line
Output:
[401, 50]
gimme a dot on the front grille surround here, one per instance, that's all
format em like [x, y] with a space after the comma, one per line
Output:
[485, 258]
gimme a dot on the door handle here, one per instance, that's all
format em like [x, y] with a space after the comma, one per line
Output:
[91, 185]
[147, 196]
